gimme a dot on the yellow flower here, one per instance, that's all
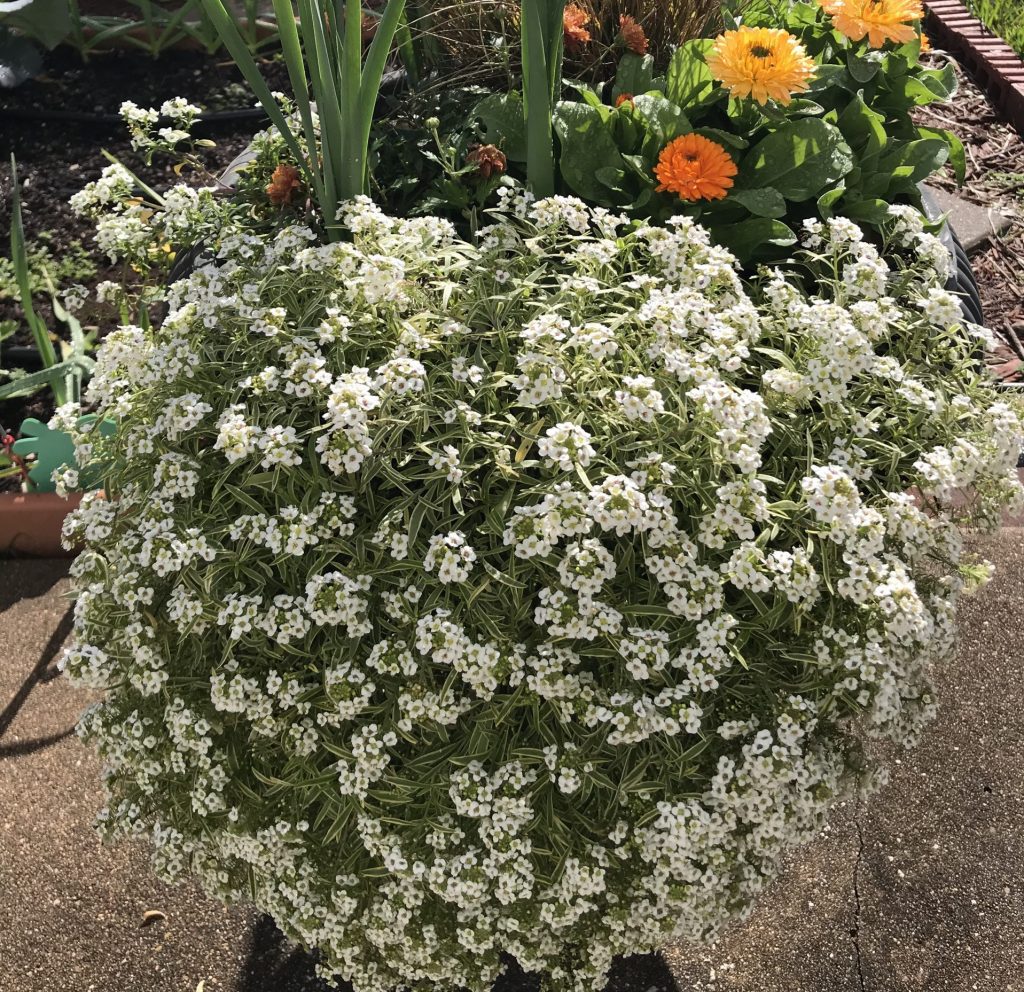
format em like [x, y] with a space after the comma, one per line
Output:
[695, 168]
[762, 63]
[877, 20]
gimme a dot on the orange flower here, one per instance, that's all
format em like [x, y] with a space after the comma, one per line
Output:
[877, 20]
[488, 159]
[695, 168]
[283, 183]
[761, 63]
[624, 98]
[632, 35]
[926, 43]
[574, 26]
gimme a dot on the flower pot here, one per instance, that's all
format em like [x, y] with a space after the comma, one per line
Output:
[31, 523]
[962, 280]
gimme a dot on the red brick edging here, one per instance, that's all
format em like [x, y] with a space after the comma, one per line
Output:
[996, 67]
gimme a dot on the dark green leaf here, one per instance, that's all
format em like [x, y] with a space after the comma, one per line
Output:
[689, 82]
[957, 155]
[916, 160]
[744, 239]
[635, 75]
[869, 210]
[800, 160]
[587, 145]
[664, 119]
[504, 123]
[862, 127]
[864, 68]
[766, 202]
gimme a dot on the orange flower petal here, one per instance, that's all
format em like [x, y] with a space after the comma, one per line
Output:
[879, 21]
[695, 168]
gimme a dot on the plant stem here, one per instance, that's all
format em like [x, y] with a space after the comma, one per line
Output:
[542, 35]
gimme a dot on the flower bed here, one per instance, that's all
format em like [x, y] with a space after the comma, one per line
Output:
[526, 585]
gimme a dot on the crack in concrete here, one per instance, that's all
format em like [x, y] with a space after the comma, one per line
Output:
[855, 932]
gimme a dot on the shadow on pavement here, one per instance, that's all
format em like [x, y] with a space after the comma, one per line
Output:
[38, 675]
[27, 578]
[276, 965]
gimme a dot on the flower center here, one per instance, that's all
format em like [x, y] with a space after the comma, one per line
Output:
[760, 52]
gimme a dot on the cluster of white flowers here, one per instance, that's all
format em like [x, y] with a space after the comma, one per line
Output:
[450, 616]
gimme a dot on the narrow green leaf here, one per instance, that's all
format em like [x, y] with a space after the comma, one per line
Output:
[291, 51]
[232, 40]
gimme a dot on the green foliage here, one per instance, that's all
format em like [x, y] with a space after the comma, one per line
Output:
[1004, 17]
[847, 147]
[47, 21]
[64, 374]
[328, 72]
[797, 160]
[73, 263]
[542, 37]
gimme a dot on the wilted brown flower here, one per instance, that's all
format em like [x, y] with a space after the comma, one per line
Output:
[368, 28]
[488, 160]
[283, 183]
[574, 25]
[632, 35]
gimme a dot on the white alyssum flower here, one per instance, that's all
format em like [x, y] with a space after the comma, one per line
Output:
[451, 556]
[566, 445]
[410, 586]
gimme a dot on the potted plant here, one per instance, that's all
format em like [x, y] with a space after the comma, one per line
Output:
[527, 589]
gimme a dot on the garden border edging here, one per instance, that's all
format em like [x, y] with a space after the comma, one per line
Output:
[995, 66]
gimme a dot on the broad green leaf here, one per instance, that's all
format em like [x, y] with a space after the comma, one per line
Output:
[864, 68]
[726, 138]
[828, 200]
[744, 239]
[689, 82]
[635, 75]
[957, 154]
[48, 21]
[613, 178]
[587, 145]
[766, 202]
[827, 76]
[800, 160]
[665, 120]
[922, 158]
[942, 82]
[504, 123]
[869, 210]
[862, 127]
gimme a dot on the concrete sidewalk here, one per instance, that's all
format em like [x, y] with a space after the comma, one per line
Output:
[921, 890]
